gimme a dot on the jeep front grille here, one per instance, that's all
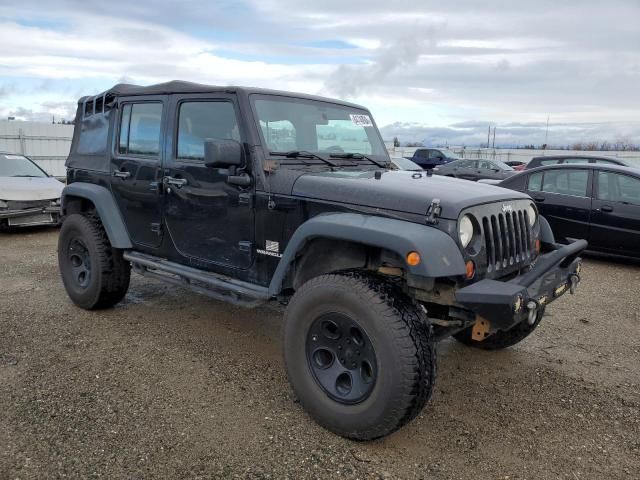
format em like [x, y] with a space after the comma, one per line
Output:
[507, 238]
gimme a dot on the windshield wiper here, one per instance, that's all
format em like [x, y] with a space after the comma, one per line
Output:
[303, 154]
[359, 156]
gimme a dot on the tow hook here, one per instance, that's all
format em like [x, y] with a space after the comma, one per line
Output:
[573, 283]
[532, 306]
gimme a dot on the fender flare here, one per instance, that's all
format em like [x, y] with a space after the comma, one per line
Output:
[440, 254]
[105, 206]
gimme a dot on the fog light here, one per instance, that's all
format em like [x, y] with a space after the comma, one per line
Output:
[471, 269]
[573, 283]
[413, 258]
[532, 306]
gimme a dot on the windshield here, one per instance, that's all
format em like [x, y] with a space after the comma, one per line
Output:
[19, 166]
[502, 165]
[322, 128]
[448, 153]
[405, 164]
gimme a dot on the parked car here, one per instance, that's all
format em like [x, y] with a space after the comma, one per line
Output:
[573, 159]
[517, 165]
[432, 157]
[400, 163]
[476, 169]
[28, 195]
[596, 202]
[358, 253]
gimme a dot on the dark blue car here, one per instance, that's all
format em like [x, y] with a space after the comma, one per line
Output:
[432, 157]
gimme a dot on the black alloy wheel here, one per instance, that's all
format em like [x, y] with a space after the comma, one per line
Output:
[341, 358]
[80, 261]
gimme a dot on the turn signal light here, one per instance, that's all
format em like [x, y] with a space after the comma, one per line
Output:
[538, 245]
[471, 269]
[413, 258]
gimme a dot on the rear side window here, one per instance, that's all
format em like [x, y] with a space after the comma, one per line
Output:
[615, 187]
[535, 182]
[140, 129]
[201, 121]
[549, 162]
[566, 182]
[576, 160]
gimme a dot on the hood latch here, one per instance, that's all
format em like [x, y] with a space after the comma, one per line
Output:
[433, 212]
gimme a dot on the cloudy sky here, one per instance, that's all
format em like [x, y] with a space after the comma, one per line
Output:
[429, 70]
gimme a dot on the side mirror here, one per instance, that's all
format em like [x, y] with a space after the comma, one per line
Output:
[222, 153]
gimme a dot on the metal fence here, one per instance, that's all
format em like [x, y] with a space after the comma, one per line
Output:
[46, 144]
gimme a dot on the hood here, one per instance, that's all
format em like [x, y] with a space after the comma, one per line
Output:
[400, 191]
[28, 188]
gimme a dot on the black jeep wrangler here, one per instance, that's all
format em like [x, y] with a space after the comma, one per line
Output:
[251, 196]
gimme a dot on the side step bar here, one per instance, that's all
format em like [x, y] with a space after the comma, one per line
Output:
[213, 285]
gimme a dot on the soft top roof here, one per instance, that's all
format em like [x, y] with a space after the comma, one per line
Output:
[180, 86]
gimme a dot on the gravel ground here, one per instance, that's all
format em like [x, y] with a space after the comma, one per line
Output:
[171, 384]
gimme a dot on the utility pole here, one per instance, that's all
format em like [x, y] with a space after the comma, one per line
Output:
[488, 135]
[494, 138]
[546, 134]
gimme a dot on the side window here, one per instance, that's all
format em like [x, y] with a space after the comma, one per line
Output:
[201, 121]
[566, 182]
[435, 154]
[140, 129]
[576, 160]
[485, 165]
[535, 182]
[422, 154]
[549, 162]
[615, 187]
[607, 162]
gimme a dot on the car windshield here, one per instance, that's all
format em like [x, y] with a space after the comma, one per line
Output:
[405, 164]
[502, 165]
[19, 166]
[448, 153]
[321, 128]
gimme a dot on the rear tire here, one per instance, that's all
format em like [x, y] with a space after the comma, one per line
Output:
[93, 272]
[500, 339]
[378, 347]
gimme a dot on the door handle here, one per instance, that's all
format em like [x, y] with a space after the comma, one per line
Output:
[121, 174]
[176, 182]
[539, 198]
[606, 208]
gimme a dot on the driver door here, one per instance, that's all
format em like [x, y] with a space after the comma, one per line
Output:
[209, 221]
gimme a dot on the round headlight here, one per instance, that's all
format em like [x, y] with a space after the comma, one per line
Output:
[533, 215]
[465, 230]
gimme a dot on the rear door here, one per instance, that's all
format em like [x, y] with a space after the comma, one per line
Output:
[563, 197]
[136, 166]
[615, 220]
[210, 222]
[466, 169]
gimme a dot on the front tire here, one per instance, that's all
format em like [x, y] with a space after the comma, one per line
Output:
[93, 272]
[359, 354]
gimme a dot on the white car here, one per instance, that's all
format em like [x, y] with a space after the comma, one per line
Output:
[28, 195]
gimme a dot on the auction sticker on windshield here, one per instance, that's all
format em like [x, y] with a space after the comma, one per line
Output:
[361, 120]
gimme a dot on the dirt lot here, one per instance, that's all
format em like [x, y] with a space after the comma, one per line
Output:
[172, 384]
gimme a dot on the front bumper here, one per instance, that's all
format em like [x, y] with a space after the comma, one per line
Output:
[507, 303]
[48, 215]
